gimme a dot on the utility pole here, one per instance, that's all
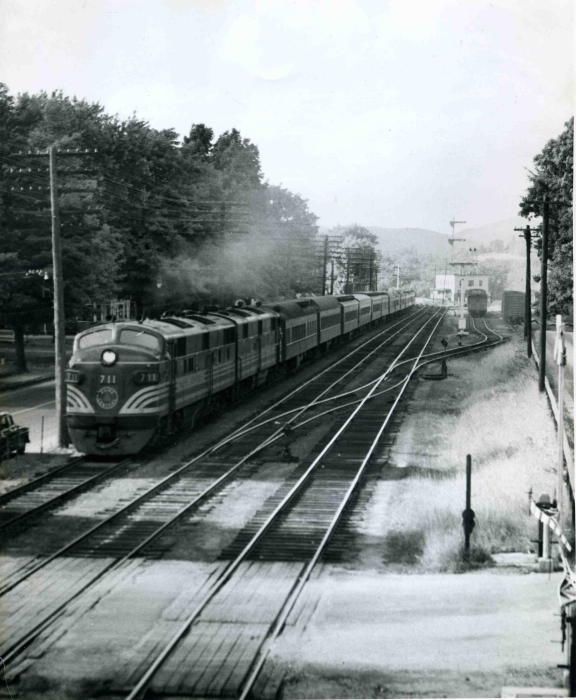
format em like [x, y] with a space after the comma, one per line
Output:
[370, 271]
[324, 265]
[331, 276]
[347, 289]
[543, 294]
[58, 280]
[397, 276]
[527, 235]
[59, 323]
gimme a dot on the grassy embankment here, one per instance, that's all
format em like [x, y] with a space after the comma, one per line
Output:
[490, 408]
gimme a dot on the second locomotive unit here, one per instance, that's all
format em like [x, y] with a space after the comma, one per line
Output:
[130, 381]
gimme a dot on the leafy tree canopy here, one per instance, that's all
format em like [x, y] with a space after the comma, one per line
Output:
[553, 178]
[143, 215]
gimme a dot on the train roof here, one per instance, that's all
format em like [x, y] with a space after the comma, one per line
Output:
[243, 314]
[294, 308]
[176, 326]
[361, 296]
[326, 303]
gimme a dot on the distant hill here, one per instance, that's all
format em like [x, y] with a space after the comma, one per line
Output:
[423, 240]
[429, 242]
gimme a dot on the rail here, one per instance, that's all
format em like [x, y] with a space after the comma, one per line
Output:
[14, 646]
[225, 575]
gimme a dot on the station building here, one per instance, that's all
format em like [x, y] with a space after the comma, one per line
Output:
[449, 288]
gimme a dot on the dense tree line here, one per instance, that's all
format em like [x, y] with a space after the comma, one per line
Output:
[553, 178]
[144, 214]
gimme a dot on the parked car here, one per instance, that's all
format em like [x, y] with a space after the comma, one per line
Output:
[13, 438]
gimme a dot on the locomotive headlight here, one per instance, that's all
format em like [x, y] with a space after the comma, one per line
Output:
[108, 358]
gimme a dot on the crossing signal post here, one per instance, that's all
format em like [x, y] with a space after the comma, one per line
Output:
[468, 515]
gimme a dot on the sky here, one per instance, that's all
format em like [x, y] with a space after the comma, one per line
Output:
[393, 113]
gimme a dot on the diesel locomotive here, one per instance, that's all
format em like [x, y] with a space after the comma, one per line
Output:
[130, 381]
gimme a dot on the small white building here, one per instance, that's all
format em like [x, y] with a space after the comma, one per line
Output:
[449, 288]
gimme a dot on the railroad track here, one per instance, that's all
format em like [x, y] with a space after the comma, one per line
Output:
[51, 490]
[108, 545]
[108, 550]
[211, 654]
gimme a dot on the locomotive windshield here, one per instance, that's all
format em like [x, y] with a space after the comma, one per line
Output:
[143, 339]
[100, 337]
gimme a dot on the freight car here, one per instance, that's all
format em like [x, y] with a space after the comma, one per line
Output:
[477, 300]
[130, 381]
[513, 306]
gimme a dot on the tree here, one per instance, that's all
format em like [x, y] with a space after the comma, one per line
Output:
[91, 251]
[553, 177]
[238, 161]
[20, 260]
[143, 215]
[358, 266]
[199, 143]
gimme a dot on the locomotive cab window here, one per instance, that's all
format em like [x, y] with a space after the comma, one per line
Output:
[101, 337]
[142, 339]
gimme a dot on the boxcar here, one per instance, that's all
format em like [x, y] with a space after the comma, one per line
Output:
[513, 308]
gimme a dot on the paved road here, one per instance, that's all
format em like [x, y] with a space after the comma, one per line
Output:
[31, 406]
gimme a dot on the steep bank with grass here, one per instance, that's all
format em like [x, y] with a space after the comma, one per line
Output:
[488, 407]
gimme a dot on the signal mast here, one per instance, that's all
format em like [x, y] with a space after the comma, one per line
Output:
[459, 261]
